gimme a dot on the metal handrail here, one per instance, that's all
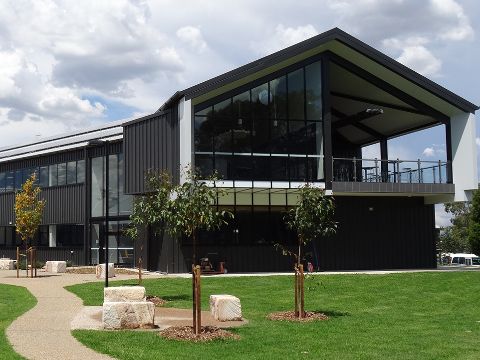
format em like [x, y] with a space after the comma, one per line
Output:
[418, 173]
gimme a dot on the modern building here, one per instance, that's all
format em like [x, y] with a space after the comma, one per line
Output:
[302, 114]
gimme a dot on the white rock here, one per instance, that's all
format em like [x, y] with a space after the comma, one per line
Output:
[100, 271]
[124, 294]
[56, 266]
[128, 315]
[225, 307]
[7, 264]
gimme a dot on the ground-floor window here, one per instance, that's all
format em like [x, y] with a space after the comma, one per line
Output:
[120, 246]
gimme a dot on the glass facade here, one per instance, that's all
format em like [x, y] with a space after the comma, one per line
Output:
[118, 203]
[121, 250]
[60, 174]
[271, 132]
[120, 247]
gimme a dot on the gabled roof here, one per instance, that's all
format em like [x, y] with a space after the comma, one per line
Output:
[334, 34]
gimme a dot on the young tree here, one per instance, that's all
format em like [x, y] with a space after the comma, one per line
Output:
[193, 209]
[312, 219]
[28, 211]
[152, 209]
[474, 224]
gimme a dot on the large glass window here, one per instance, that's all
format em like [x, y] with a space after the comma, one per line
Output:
[97, 187]
[62, 174]
[9, 180]
[80, 171]
[2, 182]
[43, 176]
[52, 172]
[271, 131]
[71, 172]
[119, 203]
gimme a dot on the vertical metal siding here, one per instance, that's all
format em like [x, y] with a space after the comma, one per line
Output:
[7, 213]
[373, 233]
[150, 144]
[64, 205]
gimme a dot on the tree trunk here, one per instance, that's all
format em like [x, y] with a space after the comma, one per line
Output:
[26, 257]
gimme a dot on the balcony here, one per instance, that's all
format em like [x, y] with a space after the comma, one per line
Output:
[395, 176]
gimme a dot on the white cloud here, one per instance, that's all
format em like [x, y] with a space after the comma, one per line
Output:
[428, 152]
[477, 141]
[458, 28]
[193, 37]
[442, 218]
[284, 37]
[414, 54]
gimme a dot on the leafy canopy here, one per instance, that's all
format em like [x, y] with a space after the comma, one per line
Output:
[313, 217]
[153, 208]
[474, 224]
[28, 209]
[193, 206]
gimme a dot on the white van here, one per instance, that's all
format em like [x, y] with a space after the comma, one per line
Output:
[463, 259]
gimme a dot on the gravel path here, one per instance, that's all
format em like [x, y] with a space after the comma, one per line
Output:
[44, 331]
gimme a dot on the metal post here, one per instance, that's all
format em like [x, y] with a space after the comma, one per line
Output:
[420, 180]
[376, 170]
[107, 163]
[354, 169]
[439, 172]
[399, 176]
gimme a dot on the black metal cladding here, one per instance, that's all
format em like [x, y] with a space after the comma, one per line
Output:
[373, 233]
[64, 205]
[7, 212]
[153, 143]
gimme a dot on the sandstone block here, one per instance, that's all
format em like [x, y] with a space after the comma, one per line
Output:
[124, 294]
[100, 271]
[7, 264]
[225, 307]
[56, 266]
[128, 315]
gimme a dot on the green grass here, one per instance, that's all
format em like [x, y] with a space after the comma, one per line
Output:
[398, 316]
[14, 301]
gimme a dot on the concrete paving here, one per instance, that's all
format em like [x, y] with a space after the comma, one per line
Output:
[44, 331]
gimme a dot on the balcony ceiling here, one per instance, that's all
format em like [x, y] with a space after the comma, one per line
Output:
[351, 95]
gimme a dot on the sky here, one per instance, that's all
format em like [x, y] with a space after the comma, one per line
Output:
[65, 65]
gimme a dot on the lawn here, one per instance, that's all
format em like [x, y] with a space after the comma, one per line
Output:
[14, 301]
[397, 316]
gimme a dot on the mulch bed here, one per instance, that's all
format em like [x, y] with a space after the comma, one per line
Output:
[156, 300]
[208, 333]
[290, 316]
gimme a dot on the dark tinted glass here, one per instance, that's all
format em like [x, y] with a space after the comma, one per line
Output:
[222, 115]
[53, 175]
[203, 138]
[204, 164]
[43, 176]
[9, 180]
[2, 182]
[296, 98]
[278, 105]
[279, 141]
[62, 174]
[313, 90]
[18, 179]
[80, 171]
[71, 172]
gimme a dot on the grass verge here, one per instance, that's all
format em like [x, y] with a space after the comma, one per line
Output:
[397, 316]
[14, 301]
